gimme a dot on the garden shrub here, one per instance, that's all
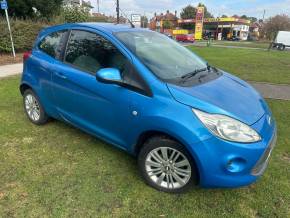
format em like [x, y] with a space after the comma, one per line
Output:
[24, 33]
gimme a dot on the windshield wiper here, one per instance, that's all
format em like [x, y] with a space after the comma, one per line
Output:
[195, 72]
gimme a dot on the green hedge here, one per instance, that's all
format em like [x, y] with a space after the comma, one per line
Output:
[24, 33]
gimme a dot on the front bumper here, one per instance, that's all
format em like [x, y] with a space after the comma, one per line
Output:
[261, 165]
[227, 164]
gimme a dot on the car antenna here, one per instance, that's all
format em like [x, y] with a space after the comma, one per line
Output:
[130, 22]
[132, 25]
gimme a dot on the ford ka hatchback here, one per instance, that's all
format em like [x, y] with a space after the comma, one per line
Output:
[187, 122]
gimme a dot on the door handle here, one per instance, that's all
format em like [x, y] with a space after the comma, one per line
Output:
[61, 75]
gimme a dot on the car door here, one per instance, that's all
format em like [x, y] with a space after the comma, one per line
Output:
[45, 56]
[105, 110]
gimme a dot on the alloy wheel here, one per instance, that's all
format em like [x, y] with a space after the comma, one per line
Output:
[32, 107]
[168, 168]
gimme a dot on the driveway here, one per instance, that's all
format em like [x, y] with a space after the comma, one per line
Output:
[10, 70]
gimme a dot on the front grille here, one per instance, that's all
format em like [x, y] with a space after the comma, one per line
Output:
[262, 163]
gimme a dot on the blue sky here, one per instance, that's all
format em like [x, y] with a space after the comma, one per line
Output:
[217, 7]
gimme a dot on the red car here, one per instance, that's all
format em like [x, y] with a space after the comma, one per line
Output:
[185, 38]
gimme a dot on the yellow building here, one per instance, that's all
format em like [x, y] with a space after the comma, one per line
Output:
[227, 27]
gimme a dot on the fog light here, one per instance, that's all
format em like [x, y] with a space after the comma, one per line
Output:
[236, 165]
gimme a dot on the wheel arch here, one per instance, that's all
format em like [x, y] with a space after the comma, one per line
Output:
[23, 87]
[144, 136]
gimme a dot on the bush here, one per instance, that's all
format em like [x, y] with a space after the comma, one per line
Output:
[24, 33]
[75, 14]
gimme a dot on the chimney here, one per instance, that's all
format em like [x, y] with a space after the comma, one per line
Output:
[175, 13]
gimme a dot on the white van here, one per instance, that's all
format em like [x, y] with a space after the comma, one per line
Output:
[282, 40]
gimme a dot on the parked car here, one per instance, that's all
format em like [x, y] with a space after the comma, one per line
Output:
[282, 40]
[186, 122]
[185, 38]
[168, 35]
[234, 38]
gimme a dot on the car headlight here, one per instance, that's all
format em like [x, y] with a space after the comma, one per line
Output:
[227, 128]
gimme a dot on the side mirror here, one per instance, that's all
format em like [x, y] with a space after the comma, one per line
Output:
[109, 75]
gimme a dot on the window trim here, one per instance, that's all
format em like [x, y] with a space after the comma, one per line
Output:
[65, 52]
[58, 46]
[146, 88]
[89, 31]
[63, 49]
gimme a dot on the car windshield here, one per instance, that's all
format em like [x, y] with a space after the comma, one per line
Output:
[166, 58]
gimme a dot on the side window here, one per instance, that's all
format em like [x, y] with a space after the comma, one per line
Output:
[91, 52]
[51, 43]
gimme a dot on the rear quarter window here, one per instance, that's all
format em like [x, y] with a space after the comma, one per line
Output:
[52, 44]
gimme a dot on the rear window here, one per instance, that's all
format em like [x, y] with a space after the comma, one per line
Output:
[51, 43]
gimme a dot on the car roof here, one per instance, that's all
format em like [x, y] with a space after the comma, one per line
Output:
[104, 27]
[110, 27]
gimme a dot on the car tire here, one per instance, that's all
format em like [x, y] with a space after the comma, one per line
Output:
[281, 47]
[164, 176]
[33, 108]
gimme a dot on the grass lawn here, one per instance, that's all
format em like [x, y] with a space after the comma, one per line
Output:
[255, 65]
[57, 170]
[247, 44]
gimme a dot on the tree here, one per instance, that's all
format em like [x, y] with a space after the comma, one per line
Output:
[252, 19]
[207, 14]
[224, 16]
[24, 8]
[144, 22]
[189, 12]
[47, 8]
[167, 24]
[244, 17]
[20, 8]
[75, 14]
[275, 24]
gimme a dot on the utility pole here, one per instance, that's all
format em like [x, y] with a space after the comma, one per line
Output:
[118, 11]
[98, 2]
[217, 28]
[143, 21]
[264, 14]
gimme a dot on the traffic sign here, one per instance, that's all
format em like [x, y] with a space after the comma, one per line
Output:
[4, 5]
[136, 19]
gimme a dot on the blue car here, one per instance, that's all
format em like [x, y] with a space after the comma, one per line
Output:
[188, 123]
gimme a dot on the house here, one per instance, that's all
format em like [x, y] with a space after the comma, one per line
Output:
[163, 21]
[255, 29]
